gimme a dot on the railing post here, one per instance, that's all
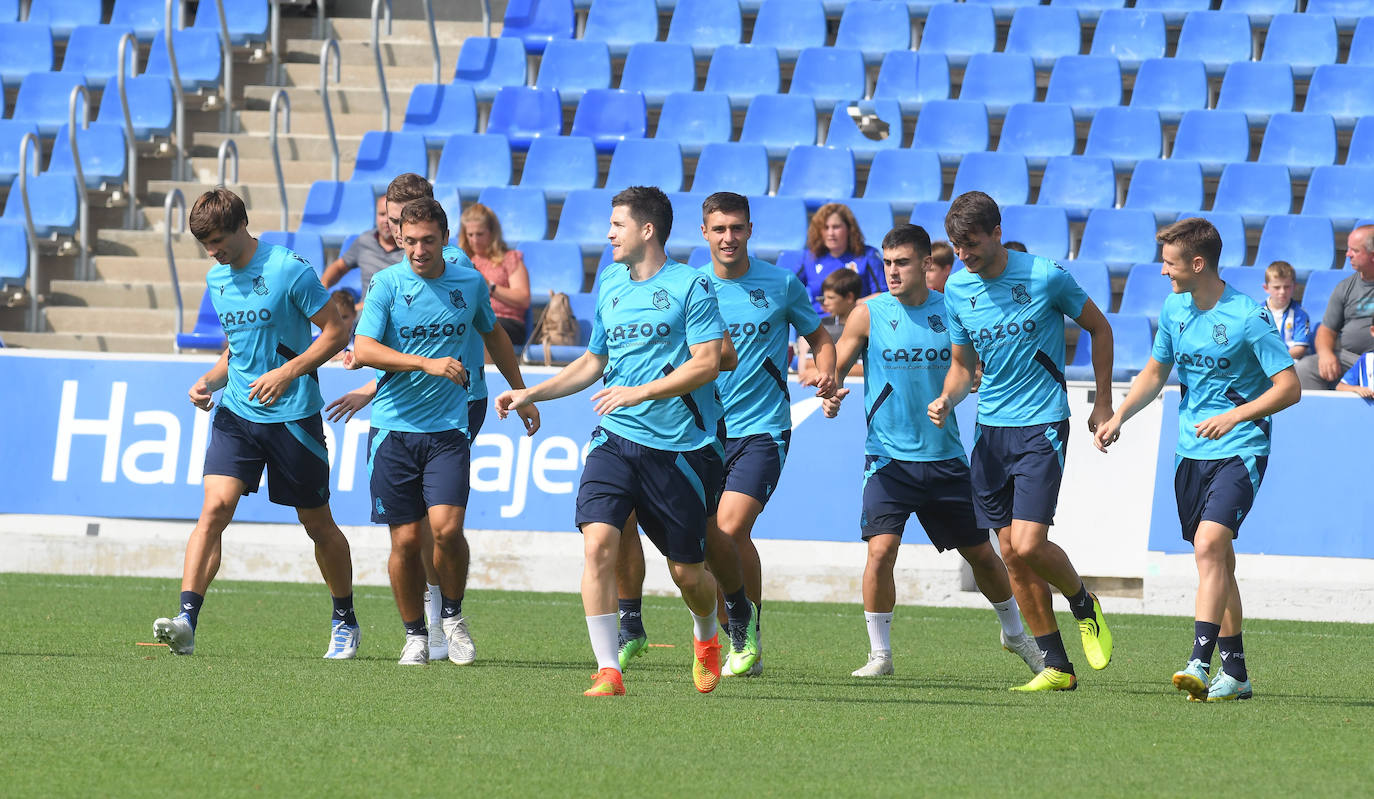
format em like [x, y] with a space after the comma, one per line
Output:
[486, 18]
[28, 145]
[131, 219]
[226, 122]
[174, 200]
[83, 211]
[434, 42]
[330, 46]
[179, 168]
[226, 149]
[279, 98]
[377, 6]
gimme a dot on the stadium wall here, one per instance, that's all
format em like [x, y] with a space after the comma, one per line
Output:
[102, 458]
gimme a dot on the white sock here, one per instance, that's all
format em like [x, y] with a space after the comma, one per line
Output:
[1010, 616]
[434, 606]
[704, 627]
[602, 630]
[879, 631]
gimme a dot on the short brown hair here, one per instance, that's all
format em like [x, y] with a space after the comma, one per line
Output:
[425, 209]
[481, 213]
[1195, 237]
[648, 205]
[844, 282]
[914, 236]
[217, 210]
[408, 186]
[1014, 245]
[815, 232]
[972, 212]
[726, 202]
[344, 299]
[1279, 270]
[942, 254]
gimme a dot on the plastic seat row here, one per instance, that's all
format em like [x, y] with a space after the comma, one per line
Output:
[97, 57]
[44, 97]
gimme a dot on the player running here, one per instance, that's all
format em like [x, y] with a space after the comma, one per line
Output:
[266, 297]
[1234, 372]
[911, 465]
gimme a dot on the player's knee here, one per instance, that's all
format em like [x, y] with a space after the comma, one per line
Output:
[449, 537]
[688, 576]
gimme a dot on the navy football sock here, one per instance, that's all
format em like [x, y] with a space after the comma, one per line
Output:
[343, 610]
[190, 605]
[416, 627]
[1233, 656]
[631, 618]
[450, 607]
[1081, 603]
[737, 609]
[1204, 641]
[1055, 656]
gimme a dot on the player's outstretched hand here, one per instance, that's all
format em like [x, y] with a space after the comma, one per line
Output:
[350, 361]
[270, 387]
[511, 400]
[344, 407]
[608, 399]
[447, 368]
[1216, 426]
[830, 405]
[823, 381]
[938, 410]
[1107, 433]
[1102, 411]
[201, 395]
[529, 414]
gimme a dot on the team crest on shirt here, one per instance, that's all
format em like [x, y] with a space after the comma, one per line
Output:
[661, 299]
[260, 286]
[758, 298]
[1219, 334]
[456, 297]
[1019, 295]
[936, 323]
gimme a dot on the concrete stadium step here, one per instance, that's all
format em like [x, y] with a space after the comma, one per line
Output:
[360, 121]
[360, 29]
[294, 147]
[261, 197]
[362, 74]
[134, 270]
[259, 171]
[108, 294]
[342, 100]
[88, 342]
[146, 244]
[257, 220]
[396, 51]
[139, 321]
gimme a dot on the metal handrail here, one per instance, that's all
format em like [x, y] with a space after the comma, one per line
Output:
[486, 18]
[29, 144]
[434, 41]
[83, 211]
[278, 97]
[179, 167]
[131, 220]
[226, 149]
[226, 122]
[377, 56]
[174, 200]
[330, 46]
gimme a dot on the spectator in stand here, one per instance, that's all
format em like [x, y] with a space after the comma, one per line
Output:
[1015, 245]
[840, 292]
[503, 267]
[942, 258]
[1360, 378]
[834, 241]
[371, 252]
[1291, 320]
[1344, 333]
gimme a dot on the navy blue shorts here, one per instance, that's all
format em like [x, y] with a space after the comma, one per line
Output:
[477, 415]
[753, 464]
[412, 472]
[673, 493]
[939, 493]
[1016, 473]
[1220, 491]
[294, 453]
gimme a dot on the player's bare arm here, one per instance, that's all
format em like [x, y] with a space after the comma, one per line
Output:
[851, 344]
[217, 378]
[344, 407]
[700, 369]
[498, 345]
[1328, 363]
[576, 376]
[334, 272]
[1285, 390]
[371, 352]
[1144, 389]
[958, 383]
[1100, 331]
[268, 388]
[729, 358]
[823, 351]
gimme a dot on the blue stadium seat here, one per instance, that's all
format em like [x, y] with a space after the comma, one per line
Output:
[779, 224]
[686, 233]
[1042, 228]
[610, 116]
[585, 219]
[913, 79]
[1346, 12]
[1248, 280]
[706, 24]
[1254, 191]
[104, 155]
[930, 217]
[1232, 230]
[844, 132]
[1078, 184]
[1003, 10]
[904, 177]
[1089, 10]
[731, 166]
[335, 210]
[999, 80]
[1317, 291]
[487, 64]
[741, 71]
[646, 162]
[52, 200]
[790, 260]
[621, 24]
[1259, 11]
[559, 164]
[1002, 176]
[152, 108]
[1093, 278]
[208, 333]
[829, 75]
[1038, 131]
[249, 21]
[780, 122]
[1216, 38]
[28, 48]
[1259, 89]
[538, 22]
[1170, 86]
[1299, 142]
[1132, 342]
[14, 267]
[1085, 83]
[1165, 187]
[43, 100]
[1119, 237]
[524, 113]
[874, 217]
[790, 26]
[1343, 193]
[200, 61]
[1145, 291]
[1174, 11]
[959, 30]
[875, 27]
[1361, 152]
[352, 280]
[1303, 41]
[147, 18]
[657, 69]
[308, 246]
[572, 66]
[93, 51]
[469, 163]
[1362, 44]
[553, 266]
[523, 212]
[694, 119]
[1342, 91]
[383, 155]
[1044, 33]
[1306, 242]
[1130, 35]
[952, 128]
[437, 111]
[12, 132]
[700, 257]
[1212, 138]
[1125, 135]
[817, 175]
[63, 16]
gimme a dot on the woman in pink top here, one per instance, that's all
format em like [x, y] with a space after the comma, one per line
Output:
[503, 268]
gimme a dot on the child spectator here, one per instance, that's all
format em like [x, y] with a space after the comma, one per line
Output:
[943, 257]
[1360, 378]
[834, 241]
[1289, 317]
[840, 292]
[503, 268]
[347, 305]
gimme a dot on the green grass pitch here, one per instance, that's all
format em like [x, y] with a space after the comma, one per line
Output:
[256, 711]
